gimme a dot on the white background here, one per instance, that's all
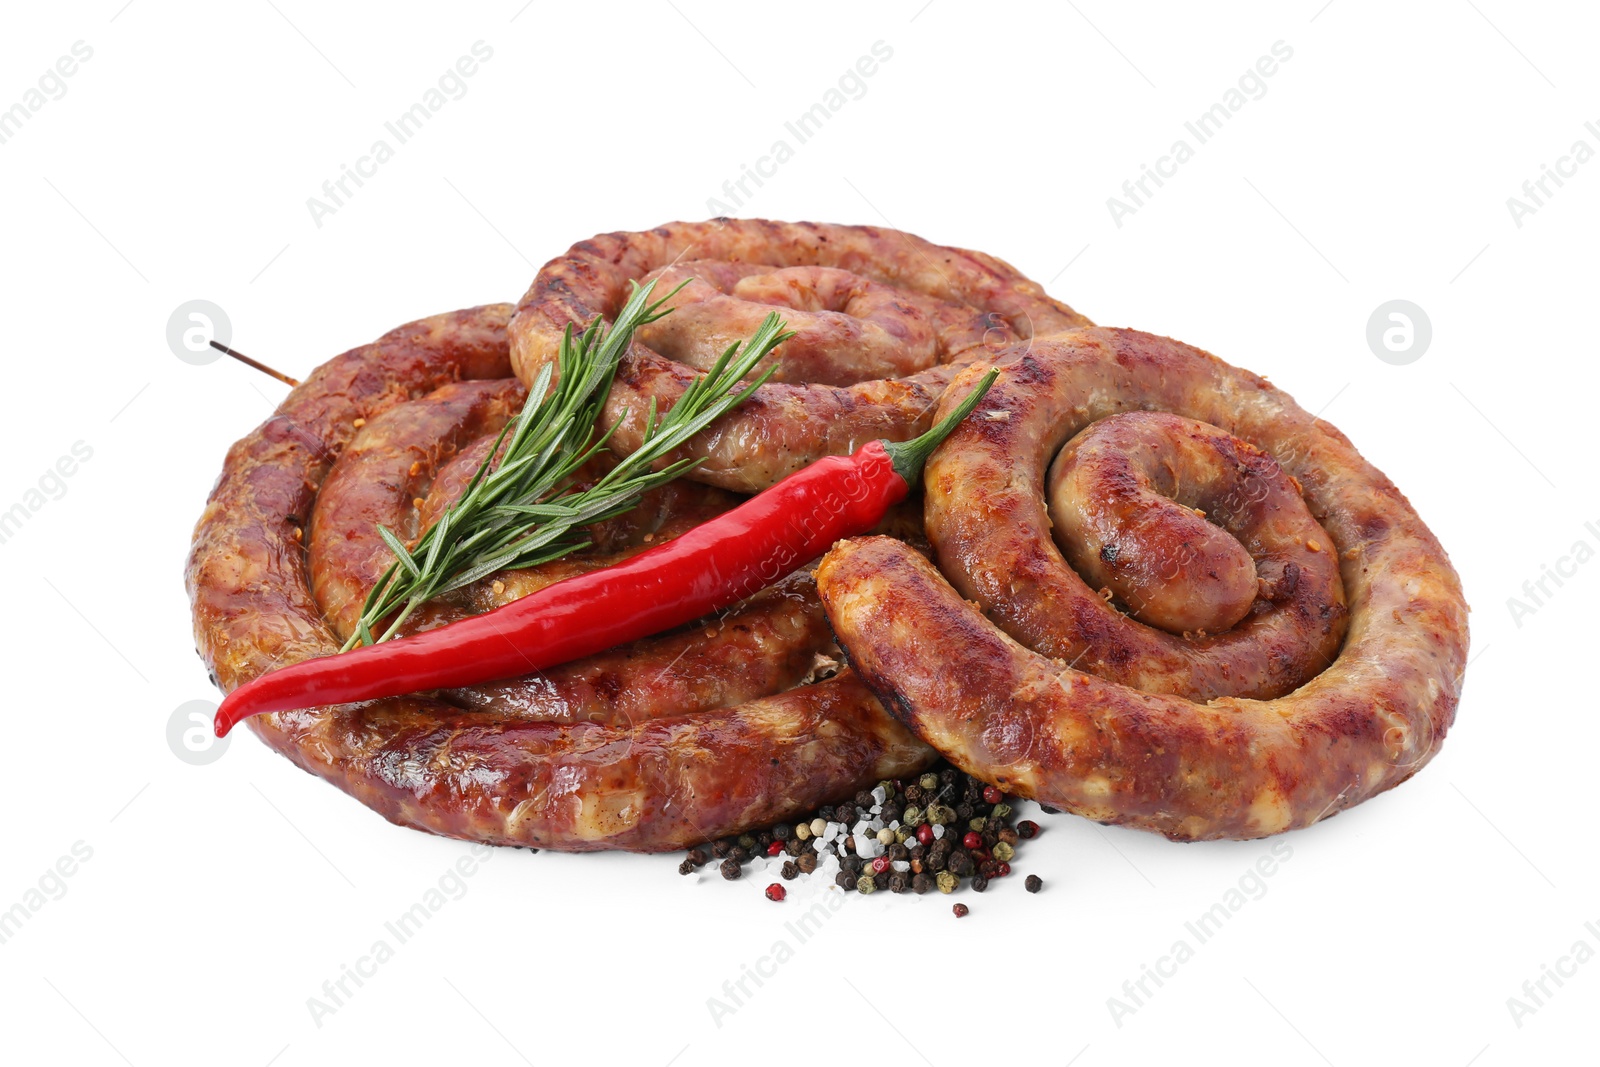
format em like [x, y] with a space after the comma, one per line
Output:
[1378, 164]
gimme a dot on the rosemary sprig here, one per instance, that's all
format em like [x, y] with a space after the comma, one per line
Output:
[522, 511]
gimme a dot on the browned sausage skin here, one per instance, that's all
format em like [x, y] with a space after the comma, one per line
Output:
[1170, 755]
[571, 769]
[957, 305]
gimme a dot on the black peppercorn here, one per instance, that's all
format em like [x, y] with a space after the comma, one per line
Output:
[794, 846]
[948, 776]
[738, 854]
[922, 883]
[844, 880]
[747, 842]
[979, 883]
[789, 871]
[722, 846]
[959, 864]
[864, 800]
[686, 867]
[881, 879]
[697, 856]
[1033, 883]
[730, 869]
[807, 862]
[782, 832]
[899, 882]
[1048, 810]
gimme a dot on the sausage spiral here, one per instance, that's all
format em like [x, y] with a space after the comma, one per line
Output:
[686, 736]
[883, 321]
[1266, 714]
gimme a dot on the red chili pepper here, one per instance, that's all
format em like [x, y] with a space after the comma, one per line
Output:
[719, 563]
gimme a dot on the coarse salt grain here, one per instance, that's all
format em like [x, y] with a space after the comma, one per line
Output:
[900, 865]
[879, 795]
[938, 831]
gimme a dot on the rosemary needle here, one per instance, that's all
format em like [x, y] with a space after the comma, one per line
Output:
[521, 511]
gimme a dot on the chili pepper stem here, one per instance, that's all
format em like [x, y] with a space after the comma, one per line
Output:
[909, 457]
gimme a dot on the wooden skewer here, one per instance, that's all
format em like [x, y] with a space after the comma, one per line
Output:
[247, 361]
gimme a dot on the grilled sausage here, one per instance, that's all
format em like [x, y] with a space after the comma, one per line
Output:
[588, 774]
[1049, 691]
[870, 306]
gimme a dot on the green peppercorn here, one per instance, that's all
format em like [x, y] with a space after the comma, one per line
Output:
[913, 817]
[902, 834]
[1003, 852]
[929, 781]
[1001, 810]
[866, 884]
[947, 882]
[747, 842]
[977, 822]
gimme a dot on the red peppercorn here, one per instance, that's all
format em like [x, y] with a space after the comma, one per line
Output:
[925, 834]
[973, 840]
[1027, 828]
[776, 892]
[960, 910]
[775, 848]
[1002, 870]
[992, 795]
[880, 865]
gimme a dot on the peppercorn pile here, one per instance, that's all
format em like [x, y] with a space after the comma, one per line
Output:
[937, 831]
